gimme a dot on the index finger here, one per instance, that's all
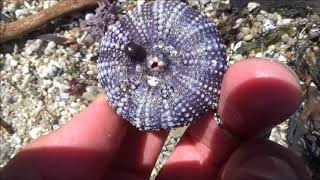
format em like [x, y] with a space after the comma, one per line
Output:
[256, 95]
[82, 149]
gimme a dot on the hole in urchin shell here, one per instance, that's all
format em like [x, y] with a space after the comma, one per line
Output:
[154, 65]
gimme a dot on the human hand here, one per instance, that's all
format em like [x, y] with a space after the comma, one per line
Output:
[97, 144]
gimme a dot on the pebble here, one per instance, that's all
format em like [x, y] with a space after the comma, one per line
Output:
[13, 63]
[236, 46]
[34, 47]
[238, 57]
[284, 22]
[16, 77]
[285, 38]
[315, 18]
[17, 139]
[259, 54]
[64, 96]
[268, 25]
[140, 2]
[273, 17]
[35, 132]
[260, 18]
[11, 7]
[87, 39]
[248, 37]
[49, 3]
[27, 78]
[21, 13]
[25, 69]
[46, 71]
[314, 33]
[51, 47]
[204, 2]
[46, 83]
[9, 99]
[61, 86]
[245, 30]
[252, 6]
[88, 16]
[92, 90]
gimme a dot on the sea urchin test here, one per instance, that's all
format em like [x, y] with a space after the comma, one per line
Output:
[161, 65]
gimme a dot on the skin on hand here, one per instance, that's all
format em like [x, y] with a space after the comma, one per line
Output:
[97, 144]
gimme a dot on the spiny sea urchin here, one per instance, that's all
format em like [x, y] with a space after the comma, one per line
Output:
[161, 65]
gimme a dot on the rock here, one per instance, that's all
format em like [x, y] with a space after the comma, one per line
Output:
[248, 37]
[9, 99]
[273, 17]
[17, 139]
[46, 71]
[252, 6]
[259, 54]
[11, 7]
[260, 18]
[140, 2]
[35, 133]
[59, 84]
[285, 38]
[16, 77]
[34, 47]
[87, 39]
[51, 47]
[204, 2]
[315, 18]
[237, 46]
[88, 16]
[13, 63]
[257, 28]
[268, 25]
[49, 3]
[314, 33]
[21, 13]
[26, 80]
[245, 30]
[282, 58]
[25, 69]
[64, 96]
[92, 90]
[284, 22]
[240, 36]
[46, 83]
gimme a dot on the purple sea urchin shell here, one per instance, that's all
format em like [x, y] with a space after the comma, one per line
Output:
[161, 65]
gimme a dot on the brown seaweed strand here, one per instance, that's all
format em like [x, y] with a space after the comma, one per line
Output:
[28, 24]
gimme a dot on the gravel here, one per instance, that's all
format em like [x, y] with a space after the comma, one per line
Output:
[46, 81]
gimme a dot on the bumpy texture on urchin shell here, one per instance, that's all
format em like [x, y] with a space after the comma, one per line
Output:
[188, 85]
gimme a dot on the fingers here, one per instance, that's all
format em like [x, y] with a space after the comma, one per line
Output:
[256, 95]
[82, 149]
[262, 159]
[138, 153]
[188, 161]
[97, 127]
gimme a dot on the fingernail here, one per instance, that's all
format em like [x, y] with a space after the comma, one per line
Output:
[267, 168]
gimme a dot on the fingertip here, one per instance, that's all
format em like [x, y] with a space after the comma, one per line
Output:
[262, 159]
[140, 150]
[81, 149]
[256, 95]
[96, 127]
